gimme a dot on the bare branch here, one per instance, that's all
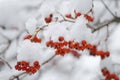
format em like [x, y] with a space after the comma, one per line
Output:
[37, 31]
[17, 76]
[6, 62]
[65, 19]
[101, 25]
[9, 43]
[108, 8]
[48, 60]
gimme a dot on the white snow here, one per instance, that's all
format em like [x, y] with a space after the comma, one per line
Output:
[31, 25]
[86, 68]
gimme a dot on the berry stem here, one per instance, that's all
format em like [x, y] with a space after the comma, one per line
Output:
[37, 31]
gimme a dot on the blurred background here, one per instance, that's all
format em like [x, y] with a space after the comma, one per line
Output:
[14, 15]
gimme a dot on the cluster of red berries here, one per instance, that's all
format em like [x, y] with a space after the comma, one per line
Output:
[49, 19]
[93, 50]
[62, 47]
[35, 39]
[108, 75]
[24, 66]
[77, 14]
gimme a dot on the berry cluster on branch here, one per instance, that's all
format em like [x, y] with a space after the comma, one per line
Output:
[62, 47]
[108, 75]
[77, 14]
[35, 39]
[25, 66]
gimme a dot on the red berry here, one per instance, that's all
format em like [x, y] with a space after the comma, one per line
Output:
[48, 20]
[89, 46]
[99, 52]
[107, 53]
[51, 15]
[61, 38]
[84, 42]
[89, 18]
[68, 15]
[33, 70]
[78, 14]
[36, 65]
[37, 40]
[49, 43]
[27, 36]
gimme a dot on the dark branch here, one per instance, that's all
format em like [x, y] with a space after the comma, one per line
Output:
[6, 62]
[108, 8]
[48, 60]
[101, 25]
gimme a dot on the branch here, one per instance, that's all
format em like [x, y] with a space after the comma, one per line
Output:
[6, 62]
[65, 19]
[48, 60]
[9, 43]
[101, 25]
[108, 8]
[17, 76]
[36, 32]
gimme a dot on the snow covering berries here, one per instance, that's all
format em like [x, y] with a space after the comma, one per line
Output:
[63, 47]
[25, 66]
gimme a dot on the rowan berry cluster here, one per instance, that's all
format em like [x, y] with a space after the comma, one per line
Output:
[77, 14]
[49, 19]
[93, 50]
[35, 39]
[108, 75]
[62, 47]
[24, 66]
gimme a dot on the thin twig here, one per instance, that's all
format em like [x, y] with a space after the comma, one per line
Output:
[104, 24]
[108, 8]
[65, 19]
[6, 62]
[9, 43]
[48, 60]
[37, 31]
[17, 76]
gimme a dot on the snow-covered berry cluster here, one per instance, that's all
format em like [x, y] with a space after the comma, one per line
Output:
[62, 47]
[78, 14]
[25, 66]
